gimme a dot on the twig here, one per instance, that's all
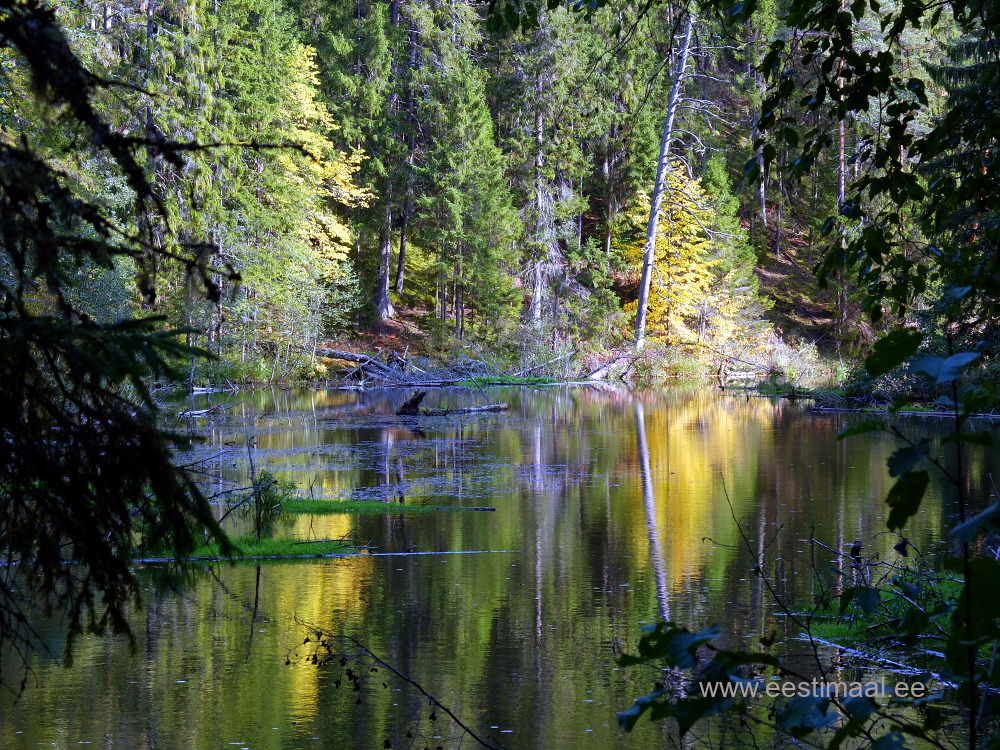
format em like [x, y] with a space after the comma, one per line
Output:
[364, 650]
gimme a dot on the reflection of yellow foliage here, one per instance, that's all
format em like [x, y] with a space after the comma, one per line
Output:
[682, 459]
[330, 595]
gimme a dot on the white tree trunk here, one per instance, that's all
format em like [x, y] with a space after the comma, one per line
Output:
[662, 169]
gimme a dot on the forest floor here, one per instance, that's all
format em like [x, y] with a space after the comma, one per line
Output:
[801, 309]
[400, 335]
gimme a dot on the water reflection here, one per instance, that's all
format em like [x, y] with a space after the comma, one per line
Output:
[610, 512]
[649, 502]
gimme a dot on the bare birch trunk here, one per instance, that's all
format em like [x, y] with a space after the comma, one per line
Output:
[662, 168]
[383, 305]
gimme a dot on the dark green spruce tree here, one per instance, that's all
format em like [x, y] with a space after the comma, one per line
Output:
[86, 477]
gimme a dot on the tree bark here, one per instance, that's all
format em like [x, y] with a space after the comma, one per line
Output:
[662, 168]
[408, 199]
[401, 260]
[535, 309]
[383, 305]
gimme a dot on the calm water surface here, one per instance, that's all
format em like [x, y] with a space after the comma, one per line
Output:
[611, 512]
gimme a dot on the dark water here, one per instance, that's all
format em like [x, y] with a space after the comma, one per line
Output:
[611, 512]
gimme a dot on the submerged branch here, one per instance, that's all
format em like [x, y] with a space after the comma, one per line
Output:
[330, 647]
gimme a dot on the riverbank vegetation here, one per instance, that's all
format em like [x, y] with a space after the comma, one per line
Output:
[254, 548]
[399, 181]
[397, 178]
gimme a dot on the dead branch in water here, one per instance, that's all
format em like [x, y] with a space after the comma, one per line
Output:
[359, 668]
[412, 408]
[210, 410]
[467, 410]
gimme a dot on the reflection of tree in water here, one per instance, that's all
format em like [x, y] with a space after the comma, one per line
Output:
[649, 503]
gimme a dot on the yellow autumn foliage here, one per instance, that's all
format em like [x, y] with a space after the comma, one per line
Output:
[702, 299]
[682, 268]
[320, 171]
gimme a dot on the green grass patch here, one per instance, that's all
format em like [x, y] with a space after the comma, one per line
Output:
[251, 547]
[841, 630]
[320, 507]
[885, 624]
[784, 390]
[497, 380]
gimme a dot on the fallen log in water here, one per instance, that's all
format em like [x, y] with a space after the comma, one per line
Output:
[411, 408]
[397, 371]
[608, 367]
[210, 410]
[467, 410]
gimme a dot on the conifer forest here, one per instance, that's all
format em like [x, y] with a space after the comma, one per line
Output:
[499, 373]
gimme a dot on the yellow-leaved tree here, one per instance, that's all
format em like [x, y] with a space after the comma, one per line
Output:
[703, 294]
[300, 281]
[323, 174]
[682, 268]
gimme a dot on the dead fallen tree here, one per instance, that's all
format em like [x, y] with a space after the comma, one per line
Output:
[607, 368]
[366, 365]
[466, 410]
[411, 408]
[398, 370]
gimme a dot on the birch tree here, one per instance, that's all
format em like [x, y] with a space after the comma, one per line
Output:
[662, 171]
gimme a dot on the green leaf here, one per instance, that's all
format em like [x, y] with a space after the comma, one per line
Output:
[947, 401]
[628, 718]
[851, 210]
[859, 707]
[511, 17]
[905, 497]
[917, 87]
[906, 458]
[855, 726]
[868, 425]
[913, 625]
[846, 597]
[933, 717]
[975, 399]
[803, 715]
[675, 645]
[689, 711]
[943, 370]
[958, 293]
[868, 598]
[894, 740]
[892, 350]
[989, 520]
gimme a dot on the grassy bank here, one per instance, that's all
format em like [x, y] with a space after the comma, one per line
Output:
[371, 507]
[250, 548]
